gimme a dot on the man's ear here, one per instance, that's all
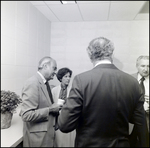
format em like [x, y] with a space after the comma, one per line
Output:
[44, 66]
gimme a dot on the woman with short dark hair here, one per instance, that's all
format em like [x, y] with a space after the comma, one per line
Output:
[64, 75]
[61, 92]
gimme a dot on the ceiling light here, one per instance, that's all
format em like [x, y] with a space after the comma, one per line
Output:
[63, 2]
[68, 2]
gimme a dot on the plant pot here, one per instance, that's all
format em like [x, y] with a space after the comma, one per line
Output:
[6, 120]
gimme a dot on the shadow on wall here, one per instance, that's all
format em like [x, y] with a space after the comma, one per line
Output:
[118, 64]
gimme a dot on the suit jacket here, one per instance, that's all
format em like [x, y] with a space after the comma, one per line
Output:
[134, 142]
[132, 125]
[101, 103]
[38, 128]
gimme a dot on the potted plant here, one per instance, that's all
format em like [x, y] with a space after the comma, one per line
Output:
[9, 102]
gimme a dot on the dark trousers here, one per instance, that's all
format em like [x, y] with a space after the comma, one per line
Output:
[134, 140]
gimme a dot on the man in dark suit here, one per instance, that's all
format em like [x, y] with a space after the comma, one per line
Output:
[102, 102]
[38, 111]
[142, 65]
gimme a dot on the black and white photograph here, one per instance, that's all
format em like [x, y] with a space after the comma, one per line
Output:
[74, 73]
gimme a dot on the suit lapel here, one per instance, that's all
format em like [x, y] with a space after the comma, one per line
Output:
[111, 66]
[43, 88]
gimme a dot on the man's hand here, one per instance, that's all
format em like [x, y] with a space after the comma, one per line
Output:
[146, 107]
[54, 108]
[146, 104]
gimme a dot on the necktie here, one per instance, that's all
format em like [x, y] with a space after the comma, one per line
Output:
[142, 85]
[51, 97]
[49, 92]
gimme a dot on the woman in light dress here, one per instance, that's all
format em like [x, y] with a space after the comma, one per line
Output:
[61, 92]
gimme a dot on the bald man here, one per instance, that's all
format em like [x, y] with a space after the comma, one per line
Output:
[38, 111]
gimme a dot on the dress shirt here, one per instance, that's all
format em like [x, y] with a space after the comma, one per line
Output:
[63, 92]
[44, 80]
[146, 85]
[102, 62]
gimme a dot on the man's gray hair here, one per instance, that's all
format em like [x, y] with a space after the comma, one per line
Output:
[141, 57]
[100, 48]
[44, 60]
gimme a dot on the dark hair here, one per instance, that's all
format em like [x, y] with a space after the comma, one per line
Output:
[61, 72]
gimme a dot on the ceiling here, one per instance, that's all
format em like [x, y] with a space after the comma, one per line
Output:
[82, 11]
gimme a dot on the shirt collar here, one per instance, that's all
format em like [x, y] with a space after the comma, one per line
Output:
[63, 86]
[44, 80]
[102, 62]
[139, 77]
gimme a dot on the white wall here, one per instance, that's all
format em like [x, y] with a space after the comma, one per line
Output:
[70, 40]
[25, 39]
[27, 36]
